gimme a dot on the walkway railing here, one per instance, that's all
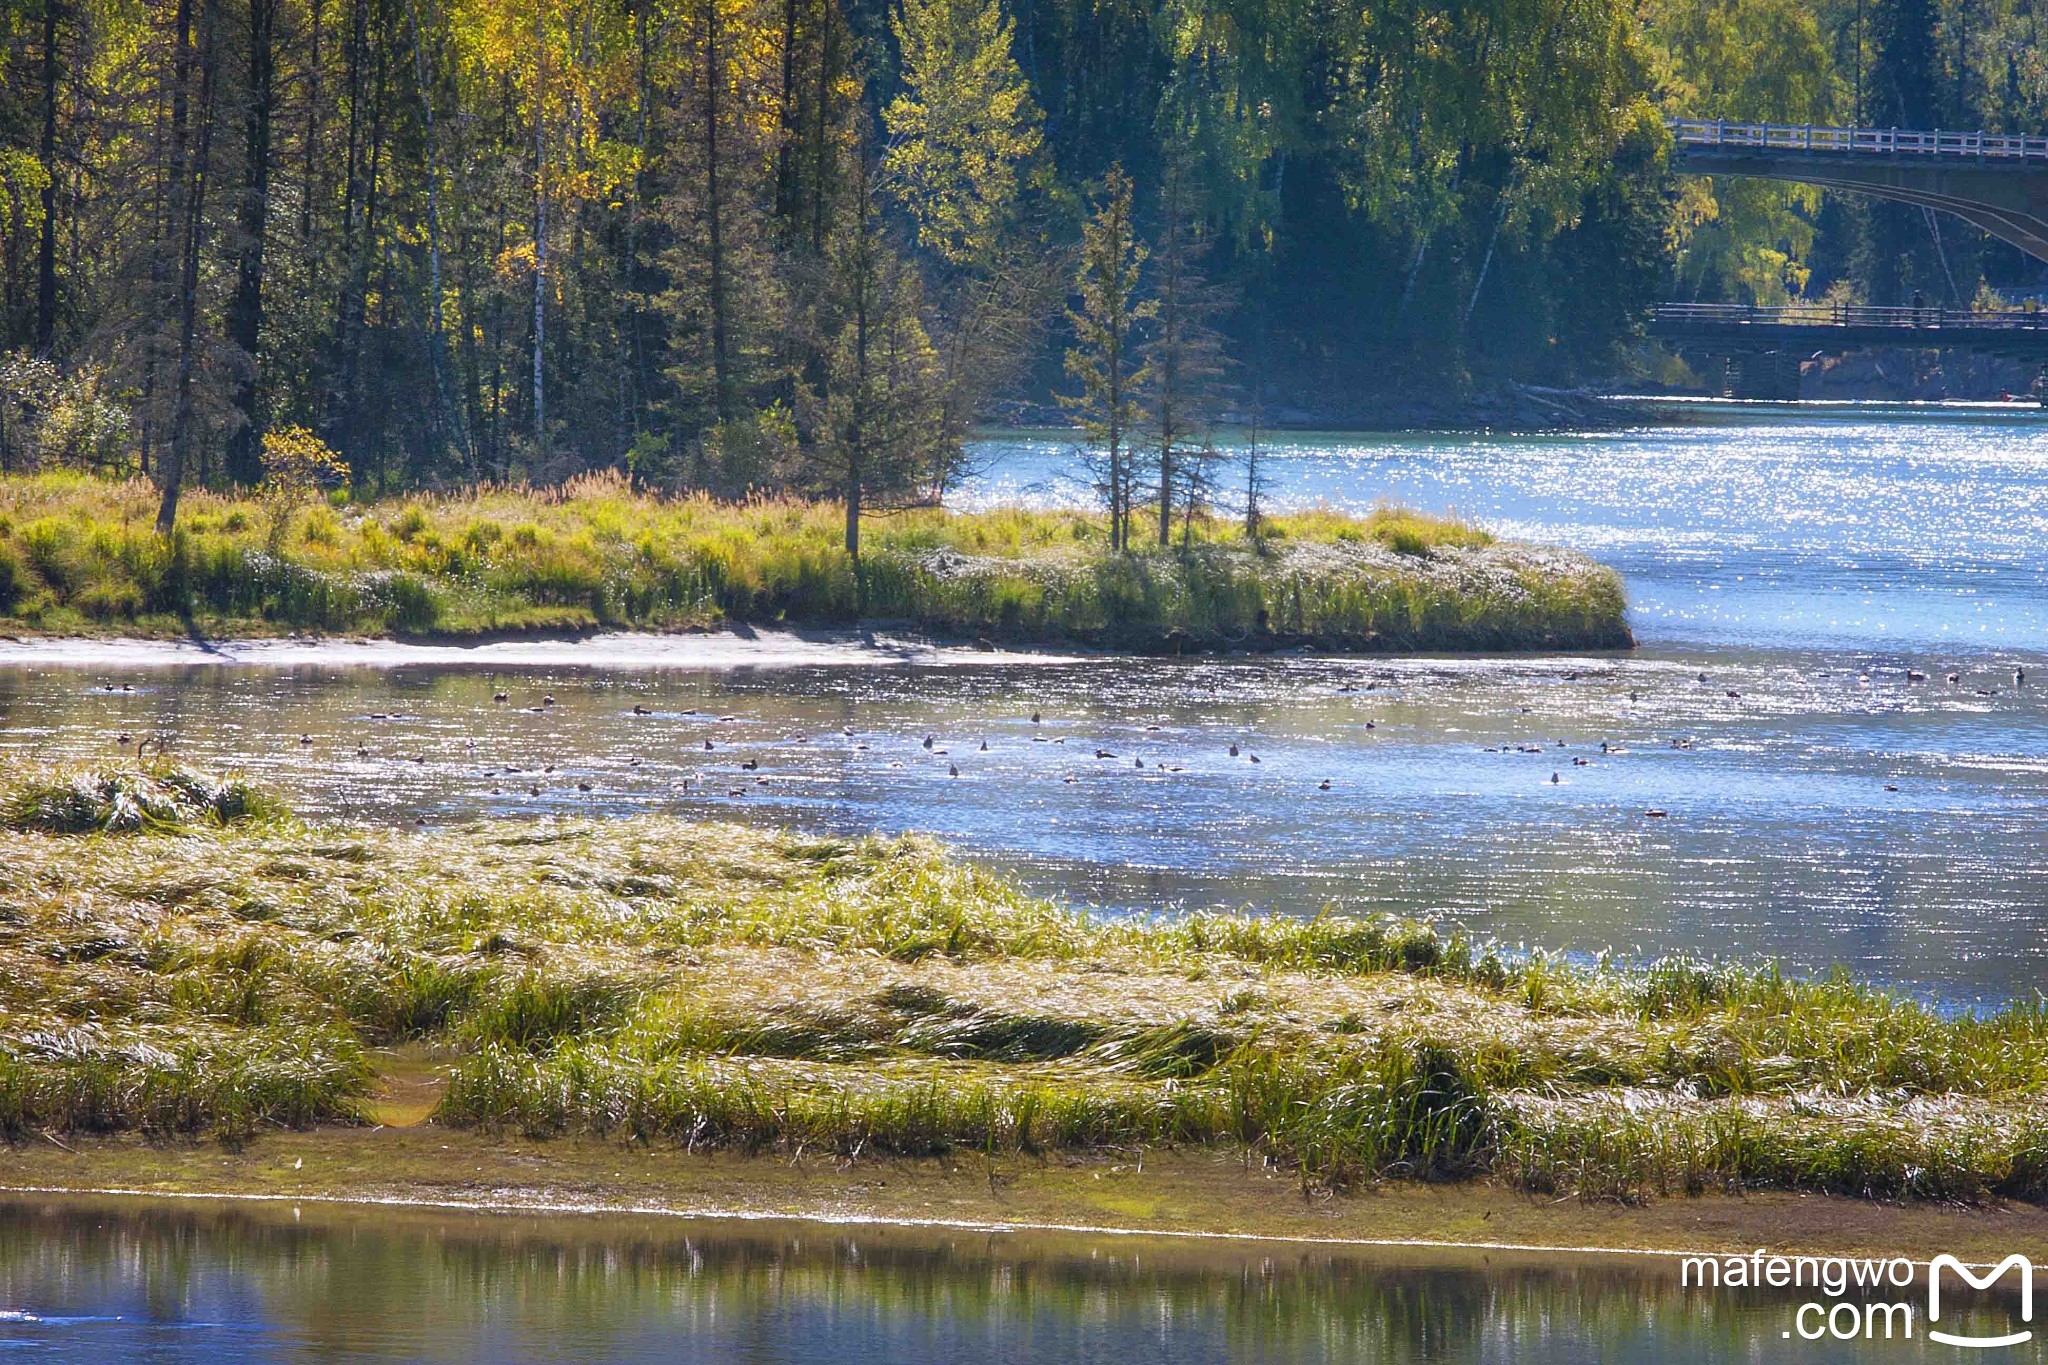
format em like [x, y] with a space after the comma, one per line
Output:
[1808, 137]
[1848, 315]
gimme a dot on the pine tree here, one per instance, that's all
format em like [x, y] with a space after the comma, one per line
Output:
[881, 416]
[1184, 356]
[1106, 360]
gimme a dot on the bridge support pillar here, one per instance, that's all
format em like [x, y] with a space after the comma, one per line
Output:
[1770, 375]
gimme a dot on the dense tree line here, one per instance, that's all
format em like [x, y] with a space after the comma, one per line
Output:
[735, 244]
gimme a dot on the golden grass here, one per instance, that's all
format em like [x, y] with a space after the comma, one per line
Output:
[79, 554]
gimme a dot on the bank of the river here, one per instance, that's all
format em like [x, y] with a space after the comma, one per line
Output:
[1189, 1195]
[80, 557]
[178, 960]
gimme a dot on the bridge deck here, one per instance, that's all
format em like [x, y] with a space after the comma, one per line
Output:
[1828, 327]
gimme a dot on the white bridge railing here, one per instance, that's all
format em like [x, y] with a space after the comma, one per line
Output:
[1807, 137]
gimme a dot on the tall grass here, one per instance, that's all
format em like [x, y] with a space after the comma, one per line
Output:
[723, 986]
[81, 554]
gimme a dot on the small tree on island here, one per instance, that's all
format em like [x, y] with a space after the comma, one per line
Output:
[1184, 356]
[1106, 360]
[880, 424]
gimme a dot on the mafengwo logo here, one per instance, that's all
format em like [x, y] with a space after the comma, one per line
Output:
[2016, 1263]
[1852, 1304]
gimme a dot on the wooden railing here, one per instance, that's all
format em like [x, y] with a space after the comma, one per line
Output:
[1849, 315]
[1808, 137]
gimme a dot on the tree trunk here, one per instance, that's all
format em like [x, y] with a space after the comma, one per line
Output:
[540, 228]
[446, 417]
[46, 251]
[245, 313]
[193, 204]
[714, 212]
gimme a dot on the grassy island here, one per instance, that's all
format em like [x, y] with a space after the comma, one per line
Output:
[179, 960]
[79, 555]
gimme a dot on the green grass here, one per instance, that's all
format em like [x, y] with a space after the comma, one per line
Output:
[79, 555]
[716, 986]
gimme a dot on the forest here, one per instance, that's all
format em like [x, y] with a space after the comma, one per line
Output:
[806, 246]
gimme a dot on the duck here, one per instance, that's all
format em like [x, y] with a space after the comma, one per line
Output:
[639, 710]
[952, 770]
[1553, 779]
[928, 741]
[1324, 785]
[984, 746]
[501, 696]
[1036, 718]
[1233, 751]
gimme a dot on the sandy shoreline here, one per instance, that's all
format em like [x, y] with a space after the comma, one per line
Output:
[621, 650]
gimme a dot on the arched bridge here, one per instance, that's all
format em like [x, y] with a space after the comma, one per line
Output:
[1994, 181]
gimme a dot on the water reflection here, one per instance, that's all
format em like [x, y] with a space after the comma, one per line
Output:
[1819, 808]
[175, 1283]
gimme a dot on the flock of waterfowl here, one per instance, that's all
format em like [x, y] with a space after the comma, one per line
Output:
[532, 777]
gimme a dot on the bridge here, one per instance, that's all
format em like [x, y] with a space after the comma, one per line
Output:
[1994, 181]
[1763, 347]
[1997, 182]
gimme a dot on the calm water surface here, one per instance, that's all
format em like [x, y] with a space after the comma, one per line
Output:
[176, 1283]
[1818, 806]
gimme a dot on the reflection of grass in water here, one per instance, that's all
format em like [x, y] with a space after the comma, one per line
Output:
[420, 1282]
[80, 554]
[725, 987]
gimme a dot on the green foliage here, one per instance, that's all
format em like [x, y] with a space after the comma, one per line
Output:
[964, 127]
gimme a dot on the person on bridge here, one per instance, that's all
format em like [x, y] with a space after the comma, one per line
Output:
[1919, 306]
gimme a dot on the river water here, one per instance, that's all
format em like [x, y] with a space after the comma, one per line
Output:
[1818, 806]
[1785, 573]
[98, 1280]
